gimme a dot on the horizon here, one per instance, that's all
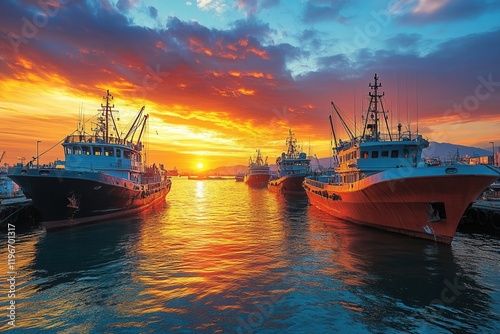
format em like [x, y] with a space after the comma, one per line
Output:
[221, 79]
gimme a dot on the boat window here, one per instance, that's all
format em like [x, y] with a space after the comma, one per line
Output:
[86, 150]
[127, 154]
[77, 150]
[364, 154]
[97, 150]
[108, 151]
[394, 153]
[374, 154]
[406, 152]
[68, 150]
[385, 154]
[118, 153]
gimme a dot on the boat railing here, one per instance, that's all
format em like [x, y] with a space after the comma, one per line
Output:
[315, 183]
[96, 140]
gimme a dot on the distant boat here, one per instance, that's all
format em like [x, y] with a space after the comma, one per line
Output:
[490, 198]
[173, 172]
[293, 167]
[197, 177]
[14, 206]
[380, 180]
[9, 190]
[240, 177]
[258, 174]
[207, 177]
[103, 176]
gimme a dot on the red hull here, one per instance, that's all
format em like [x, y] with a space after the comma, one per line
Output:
[288, 184]
[427, 207]
[257, 180]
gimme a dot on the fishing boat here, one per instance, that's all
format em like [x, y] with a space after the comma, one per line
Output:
[104, 175]
[9, 190]
[293, 167]
[14, 206]
[258, 174]
[380, 180]
[173, 172]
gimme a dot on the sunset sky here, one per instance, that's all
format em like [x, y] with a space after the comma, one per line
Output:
[221, 79]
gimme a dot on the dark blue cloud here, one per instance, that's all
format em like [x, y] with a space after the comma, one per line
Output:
[126, 5]
[325, 10]
[153, 12]
[404, 43]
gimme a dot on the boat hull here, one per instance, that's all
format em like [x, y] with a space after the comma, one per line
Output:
[288, 184]
[257, 180]
[68, 198]
[426, 203]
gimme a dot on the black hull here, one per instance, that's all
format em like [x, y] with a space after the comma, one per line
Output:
[69, 198]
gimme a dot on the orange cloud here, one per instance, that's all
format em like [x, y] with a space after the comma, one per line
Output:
[260, 53]
[244, 91]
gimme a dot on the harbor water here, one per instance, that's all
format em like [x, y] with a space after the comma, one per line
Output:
[220, 257]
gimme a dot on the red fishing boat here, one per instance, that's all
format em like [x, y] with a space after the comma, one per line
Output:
[258, 171]
[381, 181]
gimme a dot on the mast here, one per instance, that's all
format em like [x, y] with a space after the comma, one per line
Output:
[81, 120]
[108, 113]
[375, 99]
[292, 145]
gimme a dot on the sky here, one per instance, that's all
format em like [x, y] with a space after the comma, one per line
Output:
[220, 79]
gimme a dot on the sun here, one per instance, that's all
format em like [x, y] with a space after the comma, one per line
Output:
[200, 165]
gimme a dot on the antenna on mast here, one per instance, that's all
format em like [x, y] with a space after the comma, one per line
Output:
[407, 108]
[373, 109]
[355, 111]
[108, 113]
[81, 120]
[416, 98]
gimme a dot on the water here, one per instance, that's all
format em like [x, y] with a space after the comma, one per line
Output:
[219, 257]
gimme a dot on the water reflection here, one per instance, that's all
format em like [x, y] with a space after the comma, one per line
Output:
[218, 256]
[73, 269]
[196, 272]
[392, 277]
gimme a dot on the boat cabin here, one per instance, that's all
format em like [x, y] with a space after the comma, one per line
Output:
[366, 158]
[289, 166]
[87, 153]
